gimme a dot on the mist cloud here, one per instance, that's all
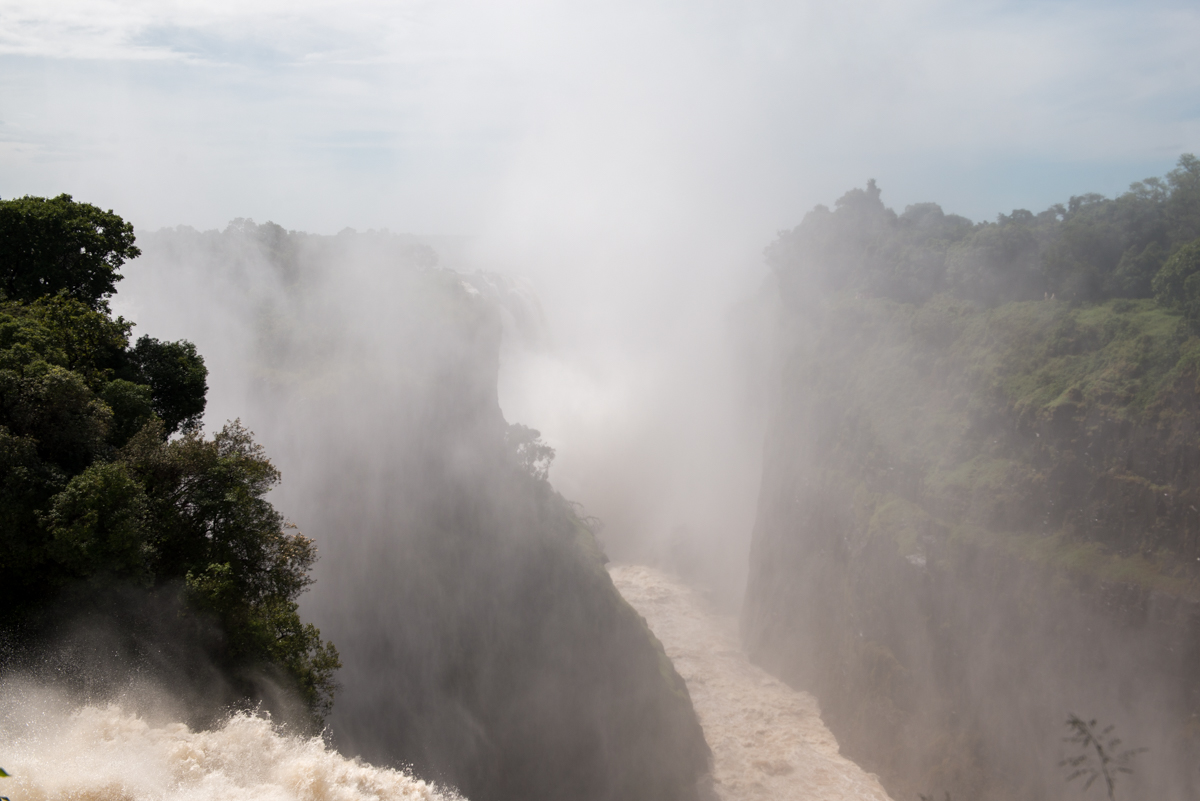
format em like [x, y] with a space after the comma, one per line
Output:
[629, 160]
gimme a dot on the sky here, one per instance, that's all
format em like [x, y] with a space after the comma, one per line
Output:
[467, 117]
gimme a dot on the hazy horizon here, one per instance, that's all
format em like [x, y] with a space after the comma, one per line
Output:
[524, 119]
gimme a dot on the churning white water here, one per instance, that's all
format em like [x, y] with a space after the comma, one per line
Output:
[105, 753]
[768, 740]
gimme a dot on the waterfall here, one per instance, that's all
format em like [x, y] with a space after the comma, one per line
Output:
[53, 750]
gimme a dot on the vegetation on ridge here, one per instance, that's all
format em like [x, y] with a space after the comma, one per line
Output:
[1142, 244]
[1014, 369]
[107, 483]
[982, 482]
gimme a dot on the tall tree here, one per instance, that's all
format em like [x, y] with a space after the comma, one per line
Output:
[52, 245]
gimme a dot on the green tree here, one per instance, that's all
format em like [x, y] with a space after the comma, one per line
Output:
[55, 408]
[1002, 261]
[97, 525]
[1134, 274]
[216, 529]
[52, 245]
[177, 378]
[527, 451]
[93, 344]
[132, 408]
[1088, 250]
[94, 493]
[1178, 282]
[1182, 208]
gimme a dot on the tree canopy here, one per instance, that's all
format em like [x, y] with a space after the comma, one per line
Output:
[53, 245]
[94, 490]
[1090, 249]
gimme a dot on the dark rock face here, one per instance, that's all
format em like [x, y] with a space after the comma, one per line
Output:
[483, 643]
[954, 566]
[486, 645]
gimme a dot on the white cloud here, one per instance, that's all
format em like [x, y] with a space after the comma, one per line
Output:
[435, 112]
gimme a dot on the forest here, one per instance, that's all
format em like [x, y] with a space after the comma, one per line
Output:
[1073, 331]
[1142, 244]
[109, 490]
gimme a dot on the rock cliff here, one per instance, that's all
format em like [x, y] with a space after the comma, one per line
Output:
[483, 643]
[979, 518]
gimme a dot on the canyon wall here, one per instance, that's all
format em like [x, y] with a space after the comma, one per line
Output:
[975, 522]
[483, 643]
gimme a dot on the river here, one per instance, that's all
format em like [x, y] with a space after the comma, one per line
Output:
[768, 740]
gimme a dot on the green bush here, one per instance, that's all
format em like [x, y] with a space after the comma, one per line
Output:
[1177, 284]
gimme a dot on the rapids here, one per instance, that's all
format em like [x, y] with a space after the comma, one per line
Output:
[768, 740]
[105, 753]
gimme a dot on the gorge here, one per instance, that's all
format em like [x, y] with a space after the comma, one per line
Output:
[977, 517]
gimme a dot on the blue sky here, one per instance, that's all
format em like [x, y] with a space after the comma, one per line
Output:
[580, 118]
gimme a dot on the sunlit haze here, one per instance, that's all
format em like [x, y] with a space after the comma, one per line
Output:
[616, 154]
[899, 487]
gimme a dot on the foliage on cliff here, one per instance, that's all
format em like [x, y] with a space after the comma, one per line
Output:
[1139, 245]
[982, 482]
[96, 494]
[53, 245]
[1041, 416]
[1034, 418]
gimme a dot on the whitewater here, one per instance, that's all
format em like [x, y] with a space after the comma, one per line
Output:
[108, 753]
[768, 740]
